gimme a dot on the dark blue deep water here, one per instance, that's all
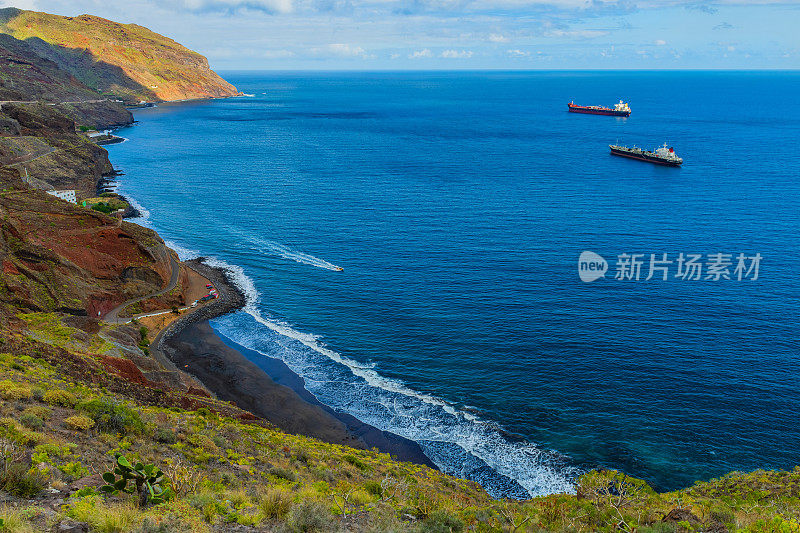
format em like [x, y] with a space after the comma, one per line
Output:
[457, 205]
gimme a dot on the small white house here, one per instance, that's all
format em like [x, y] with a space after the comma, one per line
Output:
[68, 195]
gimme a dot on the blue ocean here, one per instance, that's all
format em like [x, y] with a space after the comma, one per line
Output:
[457, 205]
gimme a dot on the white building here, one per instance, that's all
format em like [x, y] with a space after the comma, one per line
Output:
[68, 195]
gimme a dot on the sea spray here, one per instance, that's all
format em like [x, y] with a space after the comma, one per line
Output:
[144, 214]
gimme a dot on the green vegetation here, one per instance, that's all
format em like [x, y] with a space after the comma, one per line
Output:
[104, 207]
[79, 422]
[144, 343]
[113, 416]
[219, 470]
[146, 480]
[60, 397]
[106, 203]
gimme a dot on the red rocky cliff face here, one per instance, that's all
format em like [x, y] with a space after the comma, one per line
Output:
[58, 256]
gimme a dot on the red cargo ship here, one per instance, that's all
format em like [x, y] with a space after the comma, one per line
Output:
[620, 110]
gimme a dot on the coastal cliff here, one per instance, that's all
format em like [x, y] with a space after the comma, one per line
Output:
[86, 374]
[125, 61]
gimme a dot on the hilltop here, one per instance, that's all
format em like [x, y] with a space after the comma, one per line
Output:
[124, 61]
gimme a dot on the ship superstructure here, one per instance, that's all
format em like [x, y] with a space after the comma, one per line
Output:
[621, 109]
[662, 156]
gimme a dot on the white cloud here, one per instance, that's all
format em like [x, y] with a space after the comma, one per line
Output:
[342, 50]
[277, 54]
[21, 4]
[660, 42]
[498, 38]
[272, 6]
[578, 34]
[420, 54]
[456, 54]
[346, 50]
[517, 53]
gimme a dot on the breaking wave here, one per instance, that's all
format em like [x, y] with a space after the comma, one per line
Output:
[458, 441]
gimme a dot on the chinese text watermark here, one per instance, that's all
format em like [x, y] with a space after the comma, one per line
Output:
[664, 266]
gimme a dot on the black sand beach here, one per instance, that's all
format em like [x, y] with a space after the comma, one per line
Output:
[264, 386]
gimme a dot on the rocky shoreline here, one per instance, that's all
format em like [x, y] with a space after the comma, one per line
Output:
[231, 299]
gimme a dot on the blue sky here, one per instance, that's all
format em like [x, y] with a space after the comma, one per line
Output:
[466, 34]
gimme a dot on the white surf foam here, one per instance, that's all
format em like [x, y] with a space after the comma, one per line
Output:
[184, 254]
[448, 435]
[144, 215]
[239, 278]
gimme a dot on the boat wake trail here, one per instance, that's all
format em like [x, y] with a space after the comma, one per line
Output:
[286, 252]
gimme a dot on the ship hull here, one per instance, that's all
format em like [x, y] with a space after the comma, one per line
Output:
[597, 111]
[646, 158]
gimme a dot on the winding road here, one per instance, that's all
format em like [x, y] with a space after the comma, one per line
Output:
[3, 102]
[33, 156]
[113, 315]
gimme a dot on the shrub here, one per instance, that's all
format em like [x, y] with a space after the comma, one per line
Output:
[31, 421]
[169, 524]
[355, 461]
[112, 416]
[103, 207]
[144, 344]
[20, 481]
[60, 397]
[309, 516]
[165, 436]
[208, 504]
[183, 480]
[106, 518]
[275, 503]
[13, 431]
[374, 488]
[14, 521]
[38, 410]
[73, 470]
[79, 422]
[283, 473]
[442, 522]
[11, 390]
[86, 491]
